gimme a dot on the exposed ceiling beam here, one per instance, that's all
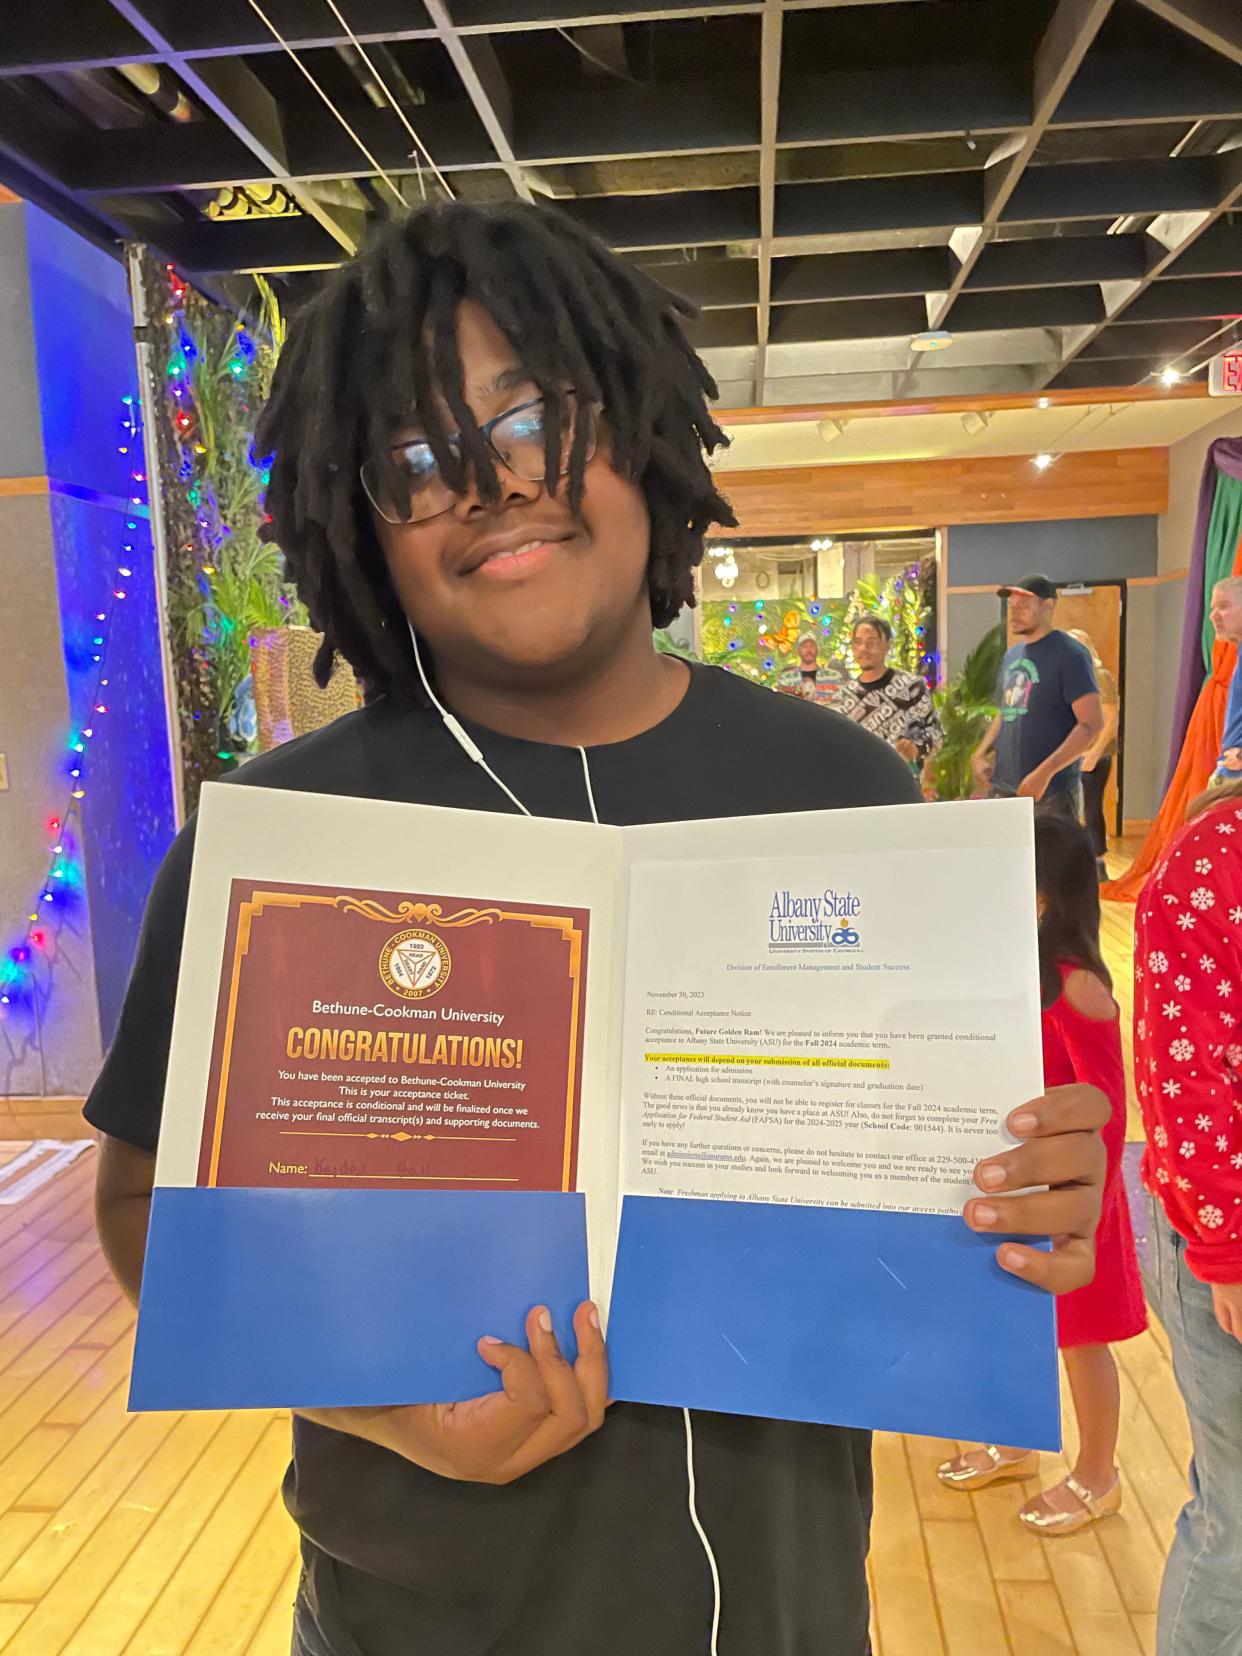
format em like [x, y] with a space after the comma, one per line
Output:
[1204, 349]
[859, 115]
[1169, 236]
[30, 182]
[238, 98]
[198, 155]
[1216, 24]
[479, 70]
[30, 52]
[246, 246]
[1065, 43]
[769, 120]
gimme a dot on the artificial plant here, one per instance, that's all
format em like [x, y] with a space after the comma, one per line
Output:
[967, 706]
[666, 644]
[213, 370]
[757, 638]
[905, 602]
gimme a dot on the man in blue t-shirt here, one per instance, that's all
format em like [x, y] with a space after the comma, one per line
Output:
[1049, 700]
[1226, 617]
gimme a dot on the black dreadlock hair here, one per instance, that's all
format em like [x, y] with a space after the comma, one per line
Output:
[880, 625]
[381, 336]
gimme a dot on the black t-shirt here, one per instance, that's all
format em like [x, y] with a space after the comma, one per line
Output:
[592, 1554]
[1039, 684]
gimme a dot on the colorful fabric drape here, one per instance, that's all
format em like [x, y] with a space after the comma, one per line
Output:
[1200, 751]
[1220, 498]
[1223, 536]
[1197, 760]
[1199, 705]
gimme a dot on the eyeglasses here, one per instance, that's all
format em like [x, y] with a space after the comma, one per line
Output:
[411, 488]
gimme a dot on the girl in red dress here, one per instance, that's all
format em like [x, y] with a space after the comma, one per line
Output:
[1082, 1042]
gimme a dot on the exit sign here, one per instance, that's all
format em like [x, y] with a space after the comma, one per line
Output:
[1225, 375]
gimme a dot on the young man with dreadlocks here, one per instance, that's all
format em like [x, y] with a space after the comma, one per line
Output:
[489, 482]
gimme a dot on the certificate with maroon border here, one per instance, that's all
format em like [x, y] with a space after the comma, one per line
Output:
[390, 1102]
[393, 1040]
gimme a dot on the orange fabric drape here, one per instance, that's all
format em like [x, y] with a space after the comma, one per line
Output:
[1200, 751]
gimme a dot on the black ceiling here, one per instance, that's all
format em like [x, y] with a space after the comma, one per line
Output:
[1056, 182]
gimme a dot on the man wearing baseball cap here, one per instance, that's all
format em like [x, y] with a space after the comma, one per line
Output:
[815, 679]
[1050, 711]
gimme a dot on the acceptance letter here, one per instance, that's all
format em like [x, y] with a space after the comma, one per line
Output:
[379, 1038]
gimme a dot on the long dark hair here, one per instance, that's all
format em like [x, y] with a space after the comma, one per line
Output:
[1066, 880]
[380, 337]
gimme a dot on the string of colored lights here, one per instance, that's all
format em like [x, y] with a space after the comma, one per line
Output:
[62, 884]
[212, 384]
[778, 628]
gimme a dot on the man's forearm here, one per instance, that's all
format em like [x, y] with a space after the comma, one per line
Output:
[1073, 747]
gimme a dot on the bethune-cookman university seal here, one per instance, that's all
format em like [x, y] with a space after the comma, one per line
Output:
[415, 964]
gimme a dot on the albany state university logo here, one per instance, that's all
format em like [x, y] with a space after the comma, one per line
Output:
[415, 964]
[814, 920]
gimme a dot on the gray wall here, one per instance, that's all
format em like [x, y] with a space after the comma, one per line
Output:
[21, 435]
[1073, 549]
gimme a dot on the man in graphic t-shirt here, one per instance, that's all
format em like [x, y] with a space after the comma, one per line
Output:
[891, 704]
[1050, 711]
[816, 680]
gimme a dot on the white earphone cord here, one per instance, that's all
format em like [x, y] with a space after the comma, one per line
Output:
[472, 749]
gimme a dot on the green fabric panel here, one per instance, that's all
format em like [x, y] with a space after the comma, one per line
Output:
[1224, 532]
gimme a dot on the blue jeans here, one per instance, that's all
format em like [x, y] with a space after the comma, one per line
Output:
[1201, 1595]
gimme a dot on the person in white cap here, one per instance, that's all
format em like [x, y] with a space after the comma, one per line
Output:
[818, 681]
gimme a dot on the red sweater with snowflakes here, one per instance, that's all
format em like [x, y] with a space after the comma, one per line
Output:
[1188, 1038]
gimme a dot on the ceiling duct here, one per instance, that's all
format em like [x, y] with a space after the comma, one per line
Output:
[159, 86]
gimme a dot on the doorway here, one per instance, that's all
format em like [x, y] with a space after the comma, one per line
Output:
[1099, 610]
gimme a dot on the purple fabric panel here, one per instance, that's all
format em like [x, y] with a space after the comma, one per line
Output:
[1223, 456]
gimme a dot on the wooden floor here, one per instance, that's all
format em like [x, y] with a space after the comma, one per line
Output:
[163, 1535]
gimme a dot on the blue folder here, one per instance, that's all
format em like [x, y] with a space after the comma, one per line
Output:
[260, 1299]
[899, 1321]
[310, 1298]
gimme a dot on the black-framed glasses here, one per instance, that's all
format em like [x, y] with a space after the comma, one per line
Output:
[413, 488]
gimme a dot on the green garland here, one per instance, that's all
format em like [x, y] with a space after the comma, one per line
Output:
[758, 637]
[213, 370]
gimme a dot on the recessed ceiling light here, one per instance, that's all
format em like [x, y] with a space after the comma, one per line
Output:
[1169, 376]
[1041, 462]
[935, 339]
[1044, 402]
